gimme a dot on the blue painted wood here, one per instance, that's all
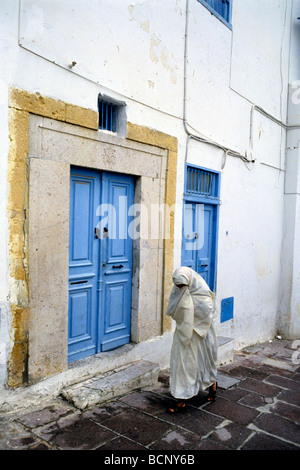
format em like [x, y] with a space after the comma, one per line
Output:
[200, 222]
[199, 240]
[189, 252]
[100, 262]
[227, 309]
[83, 263]
[207, 255]
[116, 272]
[222, 9]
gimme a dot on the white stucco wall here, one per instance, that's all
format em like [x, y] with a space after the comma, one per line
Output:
[289, 308]
[134, 51]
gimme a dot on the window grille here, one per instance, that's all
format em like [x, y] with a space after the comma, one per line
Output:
[221, 7]
[201, 182]
[108, 115]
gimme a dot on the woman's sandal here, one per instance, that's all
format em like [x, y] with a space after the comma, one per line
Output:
[212, 392]
[178, 407]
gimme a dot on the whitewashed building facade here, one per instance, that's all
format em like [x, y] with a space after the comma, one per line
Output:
[207, 96]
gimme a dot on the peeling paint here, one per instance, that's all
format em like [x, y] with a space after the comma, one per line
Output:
[164, 61]
[153, 55]
[145, 25]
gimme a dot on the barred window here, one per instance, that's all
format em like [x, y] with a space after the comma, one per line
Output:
[108, 115]
[220, 8]
[200, 182]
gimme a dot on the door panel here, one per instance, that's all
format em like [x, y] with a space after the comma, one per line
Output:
[189, 230]
[199, 238]
[80, 306]
[100, 262]
[82, 208]
[116, 273]
[83, 263]
[204, 254]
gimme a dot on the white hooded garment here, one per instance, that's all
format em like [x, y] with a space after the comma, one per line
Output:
[194, 348]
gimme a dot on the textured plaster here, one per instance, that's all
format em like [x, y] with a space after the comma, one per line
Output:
[22, 104]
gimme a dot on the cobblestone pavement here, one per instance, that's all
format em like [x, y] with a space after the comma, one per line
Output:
[260, 410]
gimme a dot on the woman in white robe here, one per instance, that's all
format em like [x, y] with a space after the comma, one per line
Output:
[194, 348]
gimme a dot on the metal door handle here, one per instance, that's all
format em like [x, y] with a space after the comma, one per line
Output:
[118, 267]
[204, 265]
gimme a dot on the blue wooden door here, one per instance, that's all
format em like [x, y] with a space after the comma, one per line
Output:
[100, 262]
[116, 261]
[199, 240]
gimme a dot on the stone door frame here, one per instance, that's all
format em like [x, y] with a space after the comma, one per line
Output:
[47, 136]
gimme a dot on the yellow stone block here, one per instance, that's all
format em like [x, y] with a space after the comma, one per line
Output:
[151, 137]
[36, 104]
[81, 117]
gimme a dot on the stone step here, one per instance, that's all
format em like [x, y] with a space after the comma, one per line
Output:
[225, 350]
[111, 384]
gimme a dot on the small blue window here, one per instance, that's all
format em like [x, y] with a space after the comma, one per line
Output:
[227, 309]
[108, 115]
[220, 8]
[201, 182]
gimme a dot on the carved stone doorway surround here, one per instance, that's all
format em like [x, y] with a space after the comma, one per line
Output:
[47, 136]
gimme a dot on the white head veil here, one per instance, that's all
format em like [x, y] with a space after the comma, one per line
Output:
[191, 305]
